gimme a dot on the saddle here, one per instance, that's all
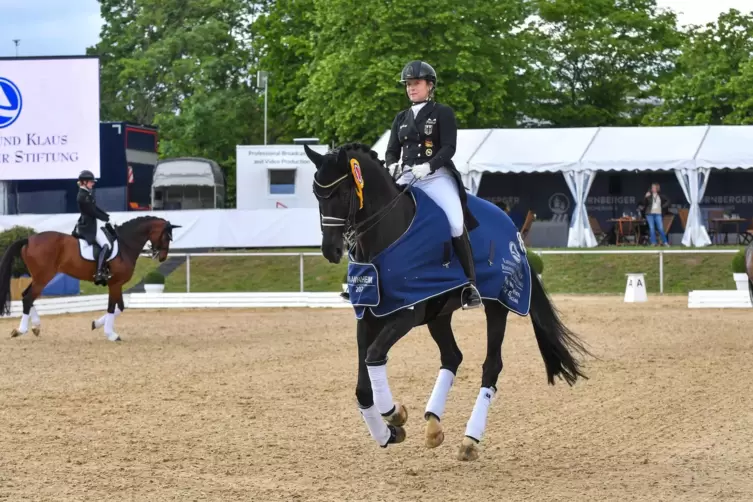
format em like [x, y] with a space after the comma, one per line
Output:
[90, 252]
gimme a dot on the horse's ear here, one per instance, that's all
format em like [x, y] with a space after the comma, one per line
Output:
[342, 157]
[314, 157]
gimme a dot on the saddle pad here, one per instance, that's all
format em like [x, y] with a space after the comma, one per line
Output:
[418, 266]
[87, 250]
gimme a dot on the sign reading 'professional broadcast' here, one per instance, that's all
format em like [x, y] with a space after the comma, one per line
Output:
[49, 118]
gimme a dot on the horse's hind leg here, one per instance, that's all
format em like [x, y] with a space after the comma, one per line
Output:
[451, 357]
[30, 294]
[496, 322]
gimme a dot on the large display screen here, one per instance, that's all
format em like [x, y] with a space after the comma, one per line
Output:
[49, 118]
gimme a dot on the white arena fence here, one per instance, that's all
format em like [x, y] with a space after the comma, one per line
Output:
[302, 299]
[660, 252]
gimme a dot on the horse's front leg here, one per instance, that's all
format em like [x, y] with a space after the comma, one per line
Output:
[496, 322]
[380, 431]
[451, 357]
[115, 299]
[395, 327]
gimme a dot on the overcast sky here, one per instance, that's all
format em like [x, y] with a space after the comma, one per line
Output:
[68, 27]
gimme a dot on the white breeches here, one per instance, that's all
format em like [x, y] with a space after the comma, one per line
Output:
[101, 237]
[443, 190]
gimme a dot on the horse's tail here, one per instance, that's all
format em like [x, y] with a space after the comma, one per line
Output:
[556, 342]
[6, 268]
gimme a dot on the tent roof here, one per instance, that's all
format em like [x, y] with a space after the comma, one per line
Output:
[599, 149]
[187, 171]
[531, 150]
[644, 148]
[727, 147]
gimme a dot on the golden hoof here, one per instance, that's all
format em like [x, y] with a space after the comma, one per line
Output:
[15, 333]
[399, 417]
[469, 450]
[433, 433]
[36, 330]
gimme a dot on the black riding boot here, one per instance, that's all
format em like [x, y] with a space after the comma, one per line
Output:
[102, 277]
[470, 297]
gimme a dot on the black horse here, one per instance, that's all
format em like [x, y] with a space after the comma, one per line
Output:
[371, 213]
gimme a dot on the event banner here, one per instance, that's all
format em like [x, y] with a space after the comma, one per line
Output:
[49, 118]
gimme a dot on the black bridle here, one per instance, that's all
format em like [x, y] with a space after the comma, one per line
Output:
[352, 229]
[167, 230]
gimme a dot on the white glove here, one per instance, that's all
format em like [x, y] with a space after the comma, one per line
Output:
[421, 171]
[393, 168]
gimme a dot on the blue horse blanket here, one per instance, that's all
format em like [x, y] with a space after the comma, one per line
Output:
[422, 264]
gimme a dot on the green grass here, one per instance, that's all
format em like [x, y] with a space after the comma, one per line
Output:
[143, 267]
[577, 274]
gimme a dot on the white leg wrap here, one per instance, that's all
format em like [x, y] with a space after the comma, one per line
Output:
[380, 388]
[477, 423]
[23, 327]
[377, 428]
[35, 320]
[101, 321]
[109, 323]
[438, 397]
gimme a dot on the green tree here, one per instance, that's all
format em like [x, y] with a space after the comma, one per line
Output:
[182, 65]
[282, 45]
[604, 59]
[714, 76]
[359, 49]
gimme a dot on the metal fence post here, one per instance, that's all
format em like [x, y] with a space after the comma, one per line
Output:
[661, 272]
[300, 272]
[188, 273]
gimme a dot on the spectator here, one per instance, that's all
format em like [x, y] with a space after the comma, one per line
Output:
[504, 207]
[654, 206]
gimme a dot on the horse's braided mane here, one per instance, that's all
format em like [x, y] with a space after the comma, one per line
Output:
[131, 224]
[360, 147]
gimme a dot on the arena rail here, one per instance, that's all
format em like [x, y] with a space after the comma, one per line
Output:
[660, 252]
[98, 303]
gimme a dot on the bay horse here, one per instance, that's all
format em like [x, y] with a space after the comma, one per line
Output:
[365, 207]
[47, 253]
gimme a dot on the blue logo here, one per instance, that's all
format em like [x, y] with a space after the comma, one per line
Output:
[10, 102]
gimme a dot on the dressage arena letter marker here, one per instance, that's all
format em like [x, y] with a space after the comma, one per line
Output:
[635, 289]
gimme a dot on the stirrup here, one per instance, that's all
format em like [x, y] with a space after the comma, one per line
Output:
[473, 304]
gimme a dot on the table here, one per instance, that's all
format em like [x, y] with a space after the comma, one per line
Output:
[627, 227]
[719, 224]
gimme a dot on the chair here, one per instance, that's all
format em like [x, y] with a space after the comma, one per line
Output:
[601, 236]
[747, 237]
[713, 227]
[668, 220]
[683, 213]
[527, 224]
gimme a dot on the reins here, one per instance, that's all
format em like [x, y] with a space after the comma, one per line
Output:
[353, 229]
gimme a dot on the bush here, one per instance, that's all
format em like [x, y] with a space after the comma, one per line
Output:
[738, 262]
[9, 237]
[154, 277]
[537, 264]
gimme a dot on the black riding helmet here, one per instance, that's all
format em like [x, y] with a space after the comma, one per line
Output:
[420, 70]
[86, 175]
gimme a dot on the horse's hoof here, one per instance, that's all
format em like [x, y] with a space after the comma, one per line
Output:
[15, 333]
[399, 416]
[36, 330]
[94, 326]
[469, 450]
[433, 433]
[398, 435]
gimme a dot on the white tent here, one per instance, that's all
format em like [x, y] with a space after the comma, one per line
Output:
[690, 151]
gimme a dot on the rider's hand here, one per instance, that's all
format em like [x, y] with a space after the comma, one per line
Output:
[421, 171]
[393, 168]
